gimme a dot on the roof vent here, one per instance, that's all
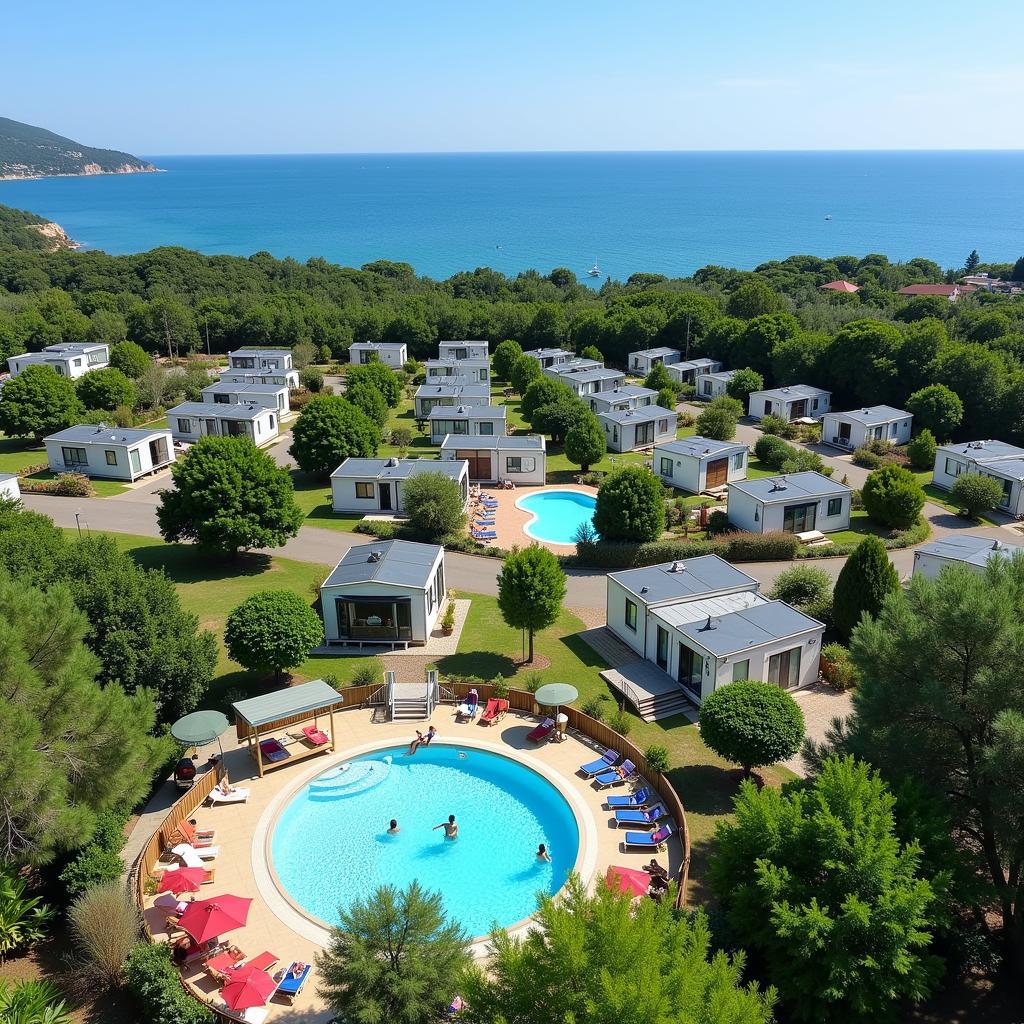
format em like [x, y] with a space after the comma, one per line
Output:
[677, 567]
[778, 485]
[392, 462]
[643, 590]
[997, 545]
[709, 625]
[375, 556]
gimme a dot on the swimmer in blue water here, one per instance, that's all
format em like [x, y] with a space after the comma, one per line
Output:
[543, 855]
[393, 828]
[451, 829]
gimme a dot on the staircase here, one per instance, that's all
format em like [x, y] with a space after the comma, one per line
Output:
[654, 694]
[348, 779]
[410, 702]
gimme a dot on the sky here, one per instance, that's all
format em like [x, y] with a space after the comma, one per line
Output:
[309, 76]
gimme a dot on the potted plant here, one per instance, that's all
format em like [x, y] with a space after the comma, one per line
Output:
[448, 621]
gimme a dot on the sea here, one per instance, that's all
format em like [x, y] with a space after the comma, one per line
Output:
[622, 213]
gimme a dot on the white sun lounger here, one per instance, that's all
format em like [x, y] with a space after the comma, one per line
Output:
[193, 858]
[237, 796]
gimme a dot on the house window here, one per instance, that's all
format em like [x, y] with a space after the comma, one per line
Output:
[111, 457]
[273, 421]
[741, 670]
[364, 490]
[630, 615]
[615, 435]
[738, 459]
[784, 669]
[707, 387]
[75, 457]
[483, 374]
[767, 408]
[461, 353]
[136, 460]
[184, 426]
[954, 468]
[643, 433]
[245, 362]
[666, 467]
[662, 426]
[96, 357]
[814, 404]
[661, 652]
[487, 428]
[520, 463]
[835, 506]
[222, 399]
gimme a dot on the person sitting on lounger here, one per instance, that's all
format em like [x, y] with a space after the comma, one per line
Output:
[225, 787]
[297, 969]
[655, 870]
[183, 948]
[542, 853]
[451, 829]
[393, 828]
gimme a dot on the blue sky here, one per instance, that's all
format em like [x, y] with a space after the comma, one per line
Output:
[223, 76]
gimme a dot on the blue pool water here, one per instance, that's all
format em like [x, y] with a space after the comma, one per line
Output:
[330, 845]
[557, 514]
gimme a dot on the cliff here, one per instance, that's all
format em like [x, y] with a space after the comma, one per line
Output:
[24, 230]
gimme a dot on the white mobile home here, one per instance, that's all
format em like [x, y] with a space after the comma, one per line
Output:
[1001, 461]
[9, 486]
[713, 385]
[572, 366]
[476, 371]
[429, 396]
[111, 453]
[458, 350]
[641, 363]
[466, 420]
[791, 503]
[389, 592]
[376, 485]
[191, 421]
[877, 423]
[271, 396]
[393, 354]
[793, 403]
[637, 428]
[265, 360]
[628, 396]
[966, 549]
[519, 459]
[549, 356]
[591, 381]
[687, 371]
[278, 378]
[698, 464]
[72, 359]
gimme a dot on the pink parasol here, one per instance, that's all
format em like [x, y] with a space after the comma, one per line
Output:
[182, 880]
[627, 880]
[247, 986]
[206, 919]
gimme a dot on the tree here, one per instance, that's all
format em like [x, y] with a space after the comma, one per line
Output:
[105, 389]
[531, 587]
[38, 402]
[892, 496]
[229, 496]
[752, 724]
[753, 298]
[379, 376]
[976, 494]
[972, 261]
[717, 423]
[544, 391]
[743, 383]
[818, 883]
[585, 443]
[937, 409]
[559, 417]
[365, 397]
[73, 747]
[592, 352]
[658, 378]
[394, 957]
[864, 582]
[600, 960]
[862, 361]
[1017, 274]
[667, 398]
[921, 450]
[107, 327]
[32, 548]
[329, 430]
[524, 370]
[435, 505]
[630, 506]
[272, 630]
[506, 354]
[131, 359]
[311, 379]
[303, 354]
[802, 585]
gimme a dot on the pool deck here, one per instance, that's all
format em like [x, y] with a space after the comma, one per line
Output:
[509, 521]
[242, 830]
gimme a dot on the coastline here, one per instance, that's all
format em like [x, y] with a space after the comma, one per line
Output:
[83, 174]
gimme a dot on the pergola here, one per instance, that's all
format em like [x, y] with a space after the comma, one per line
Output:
[258, 717]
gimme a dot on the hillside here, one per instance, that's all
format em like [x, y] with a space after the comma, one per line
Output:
[24, 230]
[30, 152]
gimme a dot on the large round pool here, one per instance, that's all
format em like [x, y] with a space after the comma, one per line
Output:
[331, 846]
[557, 515]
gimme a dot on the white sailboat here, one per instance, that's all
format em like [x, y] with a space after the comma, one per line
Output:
[594, 271]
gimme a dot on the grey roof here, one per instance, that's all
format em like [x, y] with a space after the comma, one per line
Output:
[983, 451]
[873, 415]
[576, 365]
[453, 391]
[75, 346]
[400, 562]
[377, 345]
[625, 391]
[597, 373]
[701, 363]
[645, 414]
[790, 487]
[722, 375]
[698, 447]
[969, 548]
[654, 352]
[395, 469]
[228, 387]
[220, 410]
[538, 353]
[89, 433]
[1012, 469]
[793, 393]
[695, 577]
[522, 442]
[260, 350]
[4, 477]
[738, 631]
[470, 411]
[315, 695]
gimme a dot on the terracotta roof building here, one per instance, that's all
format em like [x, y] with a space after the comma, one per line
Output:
[946, 291]
[841, 286]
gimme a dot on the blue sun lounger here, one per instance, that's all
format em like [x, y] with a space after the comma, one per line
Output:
[624, 773]
[485, 534]
[640, 818]
[290, 986]
[648, 840]
[602, 764]
[641, 798]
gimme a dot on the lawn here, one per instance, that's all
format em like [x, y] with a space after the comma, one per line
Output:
[313, 496]
[18, 452]
[943, 498]
[860, 527]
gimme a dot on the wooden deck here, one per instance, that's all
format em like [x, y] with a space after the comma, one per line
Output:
[653, 693]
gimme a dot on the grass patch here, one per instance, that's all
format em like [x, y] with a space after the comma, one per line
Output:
[861, 526]
[18, 452]
[313, 496]
[940, 497]
[103, 488]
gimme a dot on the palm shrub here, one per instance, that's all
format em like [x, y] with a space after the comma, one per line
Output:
[23, 919]
[975, 494]
[892, 496]
[32, 1002]
[105, 924]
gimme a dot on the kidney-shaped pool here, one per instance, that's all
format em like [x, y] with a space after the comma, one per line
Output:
[557, 514]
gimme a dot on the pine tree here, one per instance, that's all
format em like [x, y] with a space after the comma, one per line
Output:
[972, 262]
[863, 584]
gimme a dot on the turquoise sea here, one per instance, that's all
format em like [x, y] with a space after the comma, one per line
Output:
[662, 212]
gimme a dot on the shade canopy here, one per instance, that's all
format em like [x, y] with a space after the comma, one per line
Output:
[247, 986]
[306, 698]
[553, 695]
[199, 728]
[182, 880]
[206, 919]
[627, 880]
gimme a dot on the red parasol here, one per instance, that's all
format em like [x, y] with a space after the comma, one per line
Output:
[182, 880]
[628, 881]
[206, 919]
[247, 986]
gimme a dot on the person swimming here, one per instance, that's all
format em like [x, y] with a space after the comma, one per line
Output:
[451, 829]
[542, 854]
[393, 828]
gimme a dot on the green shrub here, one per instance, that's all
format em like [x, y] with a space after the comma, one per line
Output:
[866, 458]
[629, 556]
[499, 687]
[892, 496]
[32, 1002]
[801, 585]
[23, 919]
[921, 450]
[836, 667]
[533, 681]
[800, 460]
[100, 859]
[311, 380]
[864, 582]
[366, 675]
[975, 494]
[595, 707]
[773, 425]
[621, 721]
[717, 423]
[155, 983]
[379, 528]
[718, 523]
[630, 506]
[760, 547]
[657, 758]
[771, 450]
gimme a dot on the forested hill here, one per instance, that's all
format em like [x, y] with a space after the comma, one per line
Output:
[30, 152]
[24, 230]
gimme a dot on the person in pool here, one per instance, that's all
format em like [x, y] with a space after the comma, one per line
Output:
[421, 741]
[451, 829]
[542, 854]
[393, 828]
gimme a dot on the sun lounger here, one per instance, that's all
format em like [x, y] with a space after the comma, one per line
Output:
[186, 832]
[317, 737]
[640, 818]
[193, 858]
[263, 962]
[641, 798]
[648, 840]
[542, 731]
[602, 764]
[469, 707]
[273, 751]
[236, 796]
[484, 535]
[624, 773]
[489, 521]
[290, 985]
[253, 1015]
[217, 966]
[496, 708]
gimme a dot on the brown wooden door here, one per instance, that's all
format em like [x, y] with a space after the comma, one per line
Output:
[479, 464]
[717, 473]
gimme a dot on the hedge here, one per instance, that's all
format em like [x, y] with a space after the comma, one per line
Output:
[735, 547]
[155, 983]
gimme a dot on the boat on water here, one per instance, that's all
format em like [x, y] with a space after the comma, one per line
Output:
[828, 216]
[594, 271]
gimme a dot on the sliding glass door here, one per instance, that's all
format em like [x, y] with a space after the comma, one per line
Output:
[784, 669]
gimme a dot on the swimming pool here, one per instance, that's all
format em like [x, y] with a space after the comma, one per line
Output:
[330, 845]
[557, 515]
